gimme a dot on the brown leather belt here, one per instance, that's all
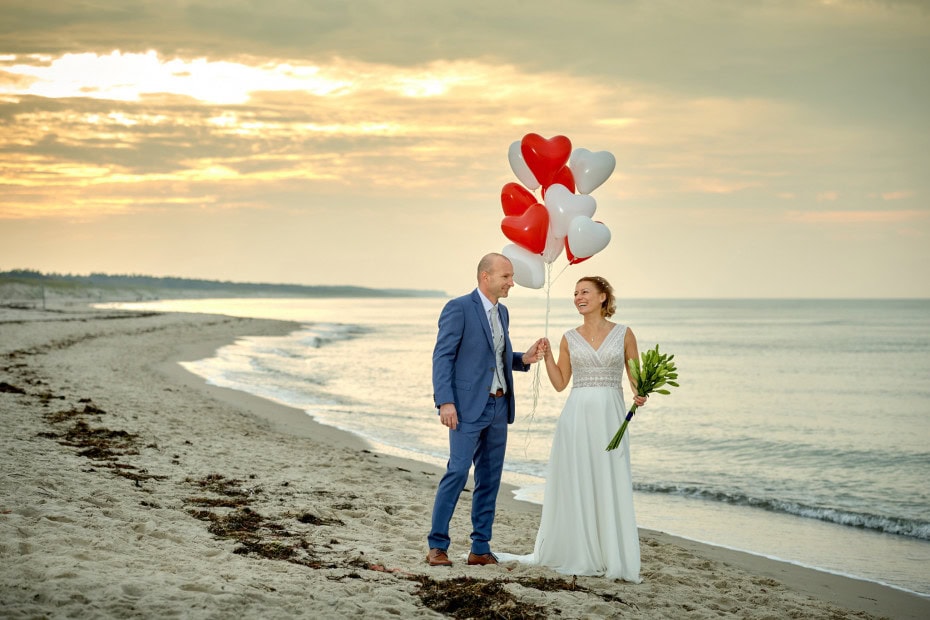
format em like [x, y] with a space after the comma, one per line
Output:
[498, 393]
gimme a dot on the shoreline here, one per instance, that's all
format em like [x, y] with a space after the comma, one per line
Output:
[198, 427]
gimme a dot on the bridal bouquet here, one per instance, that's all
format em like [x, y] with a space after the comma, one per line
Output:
[656, 370]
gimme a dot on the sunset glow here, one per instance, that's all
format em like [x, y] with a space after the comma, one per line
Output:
[388, 125]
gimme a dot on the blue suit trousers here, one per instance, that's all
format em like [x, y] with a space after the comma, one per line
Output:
[482, 443]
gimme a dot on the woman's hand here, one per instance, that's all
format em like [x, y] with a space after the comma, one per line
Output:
[640, 400]
[534, 353]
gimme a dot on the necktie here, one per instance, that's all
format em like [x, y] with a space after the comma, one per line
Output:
[495, 325]
[498, 336]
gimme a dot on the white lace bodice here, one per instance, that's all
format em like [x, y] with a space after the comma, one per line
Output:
[597, 368]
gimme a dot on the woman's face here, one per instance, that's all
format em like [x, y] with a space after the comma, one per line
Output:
[588, 298]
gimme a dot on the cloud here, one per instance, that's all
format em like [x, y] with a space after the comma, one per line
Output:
[899, 195]
[103, 123]
[860, 217]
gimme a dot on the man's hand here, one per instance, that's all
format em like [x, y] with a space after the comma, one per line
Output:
[448, 415]
[535, 352]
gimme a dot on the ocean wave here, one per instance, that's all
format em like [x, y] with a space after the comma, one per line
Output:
[911, 528]
[317, 335]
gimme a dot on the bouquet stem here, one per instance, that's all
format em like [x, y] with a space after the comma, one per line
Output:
[615, 442]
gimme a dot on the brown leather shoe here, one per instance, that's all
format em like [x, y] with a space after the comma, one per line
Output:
[438, 557]
[481, 560]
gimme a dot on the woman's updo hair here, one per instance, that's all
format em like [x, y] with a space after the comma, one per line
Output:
[609, 306]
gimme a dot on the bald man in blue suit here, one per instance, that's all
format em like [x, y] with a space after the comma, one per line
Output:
[473, 390]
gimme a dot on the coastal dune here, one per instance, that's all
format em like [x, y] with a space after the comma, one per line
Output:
[130, 488]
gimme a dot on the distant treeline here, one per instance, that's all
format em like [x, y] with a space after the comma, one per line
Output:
[115, 281]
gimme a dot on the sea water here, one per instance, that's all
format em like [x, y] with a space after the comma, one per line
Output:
[800, 431]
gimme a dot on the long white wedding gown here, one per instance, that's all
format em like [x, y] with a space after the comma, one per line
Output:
[588, 525]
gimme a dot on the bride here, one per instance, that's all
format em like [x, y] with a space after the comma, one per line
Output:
[588, 526]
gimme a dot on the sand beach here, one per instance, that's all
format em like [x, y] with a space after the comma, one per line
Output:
[131, 489]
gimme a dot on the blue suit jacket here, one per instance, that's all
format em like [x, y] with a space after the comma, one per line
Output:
[463, 359]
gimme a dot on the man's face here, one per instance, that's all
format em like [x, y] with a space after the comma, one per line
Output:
[499, 280]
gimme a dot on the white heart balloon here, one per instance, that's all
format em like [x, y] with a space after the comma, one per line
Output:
[519, 167]
[587, 237]
[590, 170]
[528, 268]
[554, 247]
[563, 206]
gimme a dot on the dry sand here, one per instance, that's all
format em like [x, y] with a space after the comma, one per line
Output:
[131, 489]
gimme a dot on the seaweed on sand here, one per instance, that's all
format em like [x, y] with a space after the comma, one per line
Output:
[465, 597]
[255, 534]
[100, 444]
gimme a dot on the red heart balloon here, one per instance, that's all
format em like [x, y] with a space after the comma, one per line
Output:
[516, 199]
[528, 230]
[572, 259]
[564, 177]
[544, 156]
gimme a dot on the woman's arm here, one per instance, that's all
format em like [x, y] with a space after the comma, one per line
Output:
[559, 372]
[631, 352]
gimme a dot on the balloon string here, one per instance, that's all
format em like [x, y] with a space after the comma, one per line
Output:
[537, 373]
[549, 267]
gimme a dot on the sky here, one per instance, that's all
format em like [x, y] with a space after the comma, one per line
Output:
[764, 148]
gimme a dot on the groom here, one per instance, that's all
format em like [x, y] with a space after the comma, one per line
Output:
[473, 365]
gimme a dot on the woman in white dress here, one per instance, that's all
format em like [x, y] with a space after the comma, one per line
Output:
[588, 525]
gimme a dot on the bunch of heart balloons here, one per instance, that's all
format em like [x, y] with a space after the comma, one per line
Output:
[540, 229]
